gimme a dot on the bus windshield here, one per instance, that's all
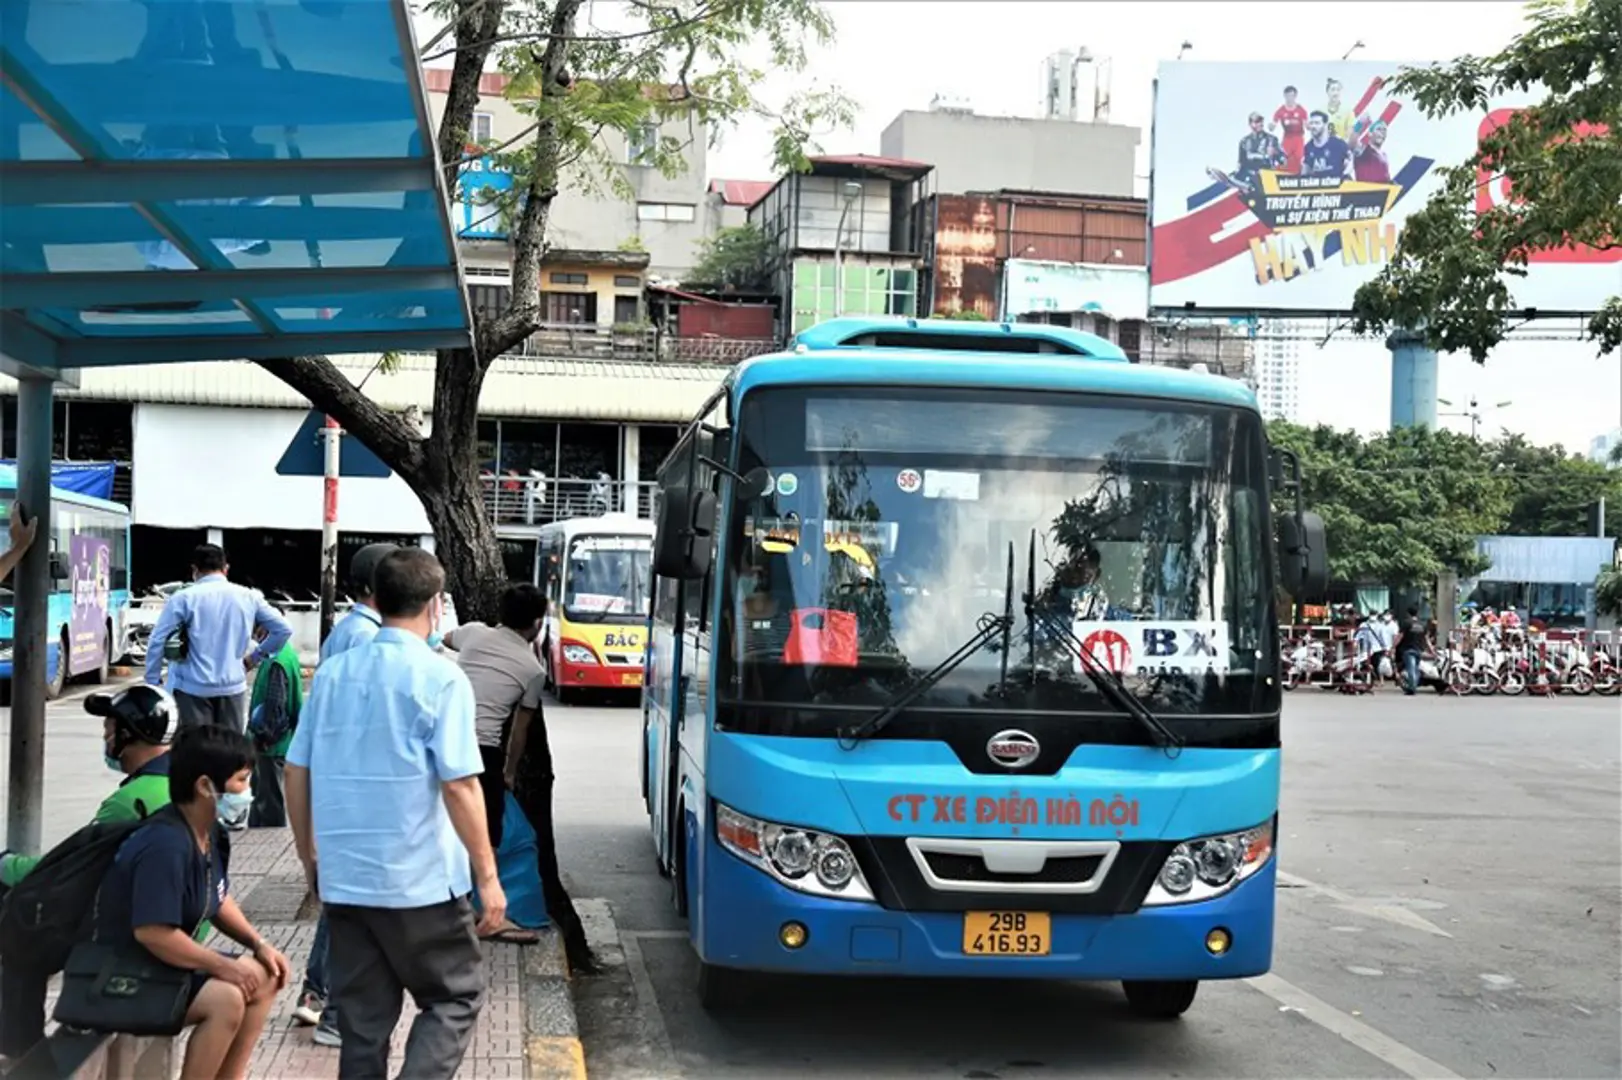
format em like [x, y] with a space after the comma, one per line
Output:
[885, 536]
[607, 578]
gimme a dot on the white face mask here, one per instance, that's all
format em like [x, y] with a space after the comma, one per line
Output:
[231, 808]
[435, 638]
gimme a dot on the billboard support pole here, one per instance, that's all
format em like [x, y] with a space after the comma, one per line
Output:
[1413, 380]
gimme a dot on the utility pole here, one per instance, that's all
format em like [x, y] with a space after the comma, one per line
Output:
[331, 433]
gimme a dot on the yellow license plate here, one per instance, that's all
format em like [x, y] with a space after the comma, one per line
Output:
[1007, 933]
[631, 680]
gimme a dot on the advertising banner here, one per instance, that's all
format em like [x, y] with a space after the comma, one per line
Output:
[474, 212]
[1117, 292]
[1282, 187]
[90, 564]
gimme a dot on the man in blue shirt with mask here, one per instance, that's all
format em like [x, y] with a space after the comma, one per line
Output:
[357, 628]
[211, 623]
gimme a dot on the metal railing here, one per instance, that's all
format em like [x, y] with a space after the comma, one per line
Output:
[645, 344]
[532, 500]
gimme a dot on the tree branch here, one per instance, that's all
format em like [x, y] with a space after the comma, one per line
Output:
[520, 320]
[475, 20]
[386, 434]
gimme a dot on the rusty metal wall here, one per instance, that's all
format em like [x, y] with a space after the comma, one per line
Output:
[965, 265]
[1073, 230]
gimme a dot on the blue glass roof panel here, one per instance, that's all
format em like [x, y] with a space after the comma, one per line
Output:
[25, 137]
[267, 79]
[275, 156]
[371, 313]
[218, 317]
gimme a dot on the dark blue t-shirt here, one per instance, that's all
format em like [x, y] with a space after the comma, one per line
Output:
[160, 878]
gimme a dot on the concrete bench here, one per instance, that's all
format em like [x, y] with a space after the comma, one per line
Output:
[89, 1055]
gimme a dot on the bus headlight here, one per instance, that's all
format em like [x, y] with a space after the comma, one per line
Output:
[578, 654]
[802, 859]
[1210, 866]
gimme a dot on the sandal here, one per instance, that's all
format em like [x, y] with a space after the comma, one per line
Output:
[512, 934]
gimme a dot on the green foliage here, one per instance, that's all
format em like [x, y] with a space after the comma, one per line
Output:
[632, 245]
[1608, 593]
[1553, 493]
[644, 81]
[1562, 157]
[1401, 506]
[738, 258]
[969, 315]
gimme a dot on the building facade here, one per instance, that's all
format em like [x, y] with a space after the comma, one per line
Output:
[1278, 372]
[843, 238]
[971, 152]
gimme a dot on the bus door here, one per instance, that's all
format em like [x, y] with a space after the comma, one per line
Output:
[676, 683]
[549, 577]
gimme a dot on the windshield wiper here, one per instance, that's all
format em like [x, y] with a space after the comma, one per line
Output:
[1109, 683]
[990, 626]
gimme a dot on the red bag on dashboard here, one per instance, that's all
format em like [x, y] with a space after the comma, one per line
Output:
[821, 636]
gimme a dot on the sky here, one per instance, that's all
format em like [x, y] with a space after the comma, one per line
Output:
[891, 55]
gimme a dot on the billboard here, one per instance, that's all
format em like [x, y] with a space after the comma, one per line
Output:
[1282, 187]
[474, 212]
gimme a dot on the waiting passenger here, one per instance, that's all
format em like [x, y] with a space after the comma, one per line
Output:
[174, 873]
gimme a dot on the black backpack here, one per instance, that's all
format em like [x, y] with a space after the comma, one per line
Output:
[46, 913]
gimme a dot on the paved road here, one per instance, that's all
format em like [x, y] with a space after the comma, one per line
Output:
[1449, 907]
[76, 778]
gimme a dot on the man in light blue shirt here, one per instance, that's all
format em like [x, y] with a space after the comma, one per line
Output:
[383, 796]
[212, 623]
[314, 1006]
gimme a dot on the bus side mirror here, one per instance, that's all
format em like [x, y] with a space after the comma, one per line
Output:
[754, 484]
[684, 543]
[1303, 556]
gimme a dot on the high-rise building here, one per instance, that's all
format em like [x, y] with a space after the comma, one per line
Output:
[1278, 372]
[1600, 447]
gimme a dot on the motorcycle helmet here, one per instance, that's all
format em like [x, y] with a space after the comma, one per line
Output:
[139, 714]
[364, 565]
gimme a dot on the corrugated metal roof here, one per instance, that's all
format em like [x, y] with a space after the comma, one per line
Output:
[515, 387]
[1546, 560]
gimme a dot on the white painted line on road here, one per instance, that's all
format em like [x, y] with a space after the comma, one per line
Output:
[1404, 1059]
[647, 1003]
[1390, 913]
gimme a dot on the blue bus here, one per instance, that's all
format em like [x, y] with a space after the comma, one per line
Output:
[963, 661]
[89, 544]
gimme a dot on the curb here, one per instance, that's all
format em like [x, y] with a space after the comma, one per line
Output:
[552, 1046]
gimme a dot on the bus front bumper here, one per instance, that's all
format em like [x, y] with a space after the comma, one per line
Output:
[744, 911]
[600, 677]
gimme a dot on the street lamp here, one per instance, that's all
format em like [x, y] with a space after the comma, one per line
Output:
[1473, 412]
[853, 191]
[1356, 45]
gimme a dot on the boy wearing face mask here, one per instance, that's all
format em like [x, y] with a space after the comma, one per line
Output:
[173, 874]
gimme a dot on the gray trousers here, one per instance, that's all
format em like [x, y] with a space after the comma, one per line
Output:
[229, 710]
[377, 955]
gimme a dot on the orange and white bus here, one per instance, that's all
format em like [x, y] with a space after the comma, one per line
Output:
[595, 572]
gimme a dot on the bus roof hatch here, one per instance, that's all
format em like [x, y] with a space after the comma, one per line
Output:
[950, 335]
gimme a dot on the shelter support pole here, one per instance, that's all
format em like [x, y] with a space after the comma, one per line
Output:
[1413, 380]
[1447, 605]
[331, 433]
[25, 797]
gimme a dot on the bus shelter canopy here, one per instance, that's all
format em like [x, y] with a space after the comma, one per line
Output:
[218, 179]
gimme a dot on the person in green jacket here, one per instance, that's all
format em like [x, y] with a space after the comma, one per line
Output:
[138, 724]
[273, 711]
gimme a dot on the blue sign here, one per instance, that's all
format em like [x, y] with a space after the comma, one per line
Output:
[306, 455]
[475, 211]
